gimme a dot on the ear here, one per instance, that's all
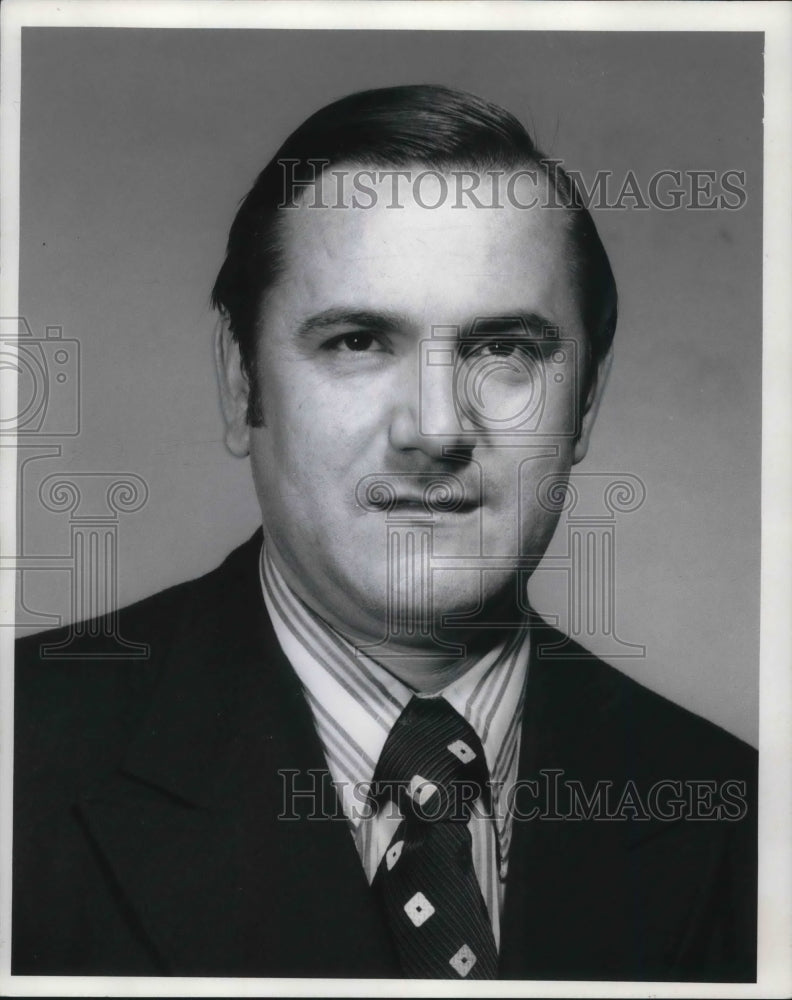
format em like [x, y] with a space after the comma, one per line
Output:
[591, 406]
[234, 390]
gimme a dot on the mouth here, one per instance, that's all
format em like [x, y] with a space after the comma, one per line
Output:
[419, 495]
[430, 505]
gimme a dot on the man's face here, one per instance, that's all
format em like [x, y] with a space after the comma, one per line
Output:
[354, 390]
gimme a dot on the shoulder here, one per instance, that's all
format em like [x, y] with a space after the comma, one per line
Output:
[81, 691]
[614, 719]
[90, 647]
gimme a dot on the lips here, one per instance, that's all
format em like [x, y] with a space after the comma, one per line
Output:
[422, 505]
[417, 493]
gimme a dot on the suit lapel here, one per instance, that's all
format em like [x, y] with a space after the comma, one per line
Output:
[608, 898]
[193, 829]
[555, 865]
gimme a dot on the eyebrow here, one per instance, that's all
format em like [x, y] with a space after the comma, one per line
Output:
[392, 322]
[380, 322]
[508, 323]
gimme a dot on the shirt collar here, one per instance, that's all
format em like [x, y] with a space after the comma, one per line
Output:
[356, 701]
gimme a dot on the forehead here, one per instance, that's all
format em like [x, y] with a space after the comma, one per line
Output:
[423, 248]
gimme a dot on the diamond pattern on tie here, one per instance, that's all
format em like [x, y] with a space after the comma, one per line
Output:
[421, 790]
[461, 751]
[463, 961]
[393, 854]
[427, 884]
[418, 909]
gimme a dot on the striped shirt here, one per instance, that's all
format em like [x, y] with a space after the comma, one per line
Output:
[355, 702]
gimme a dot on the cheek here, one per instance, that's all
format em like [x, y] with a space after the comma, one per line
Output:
[292, 417]
[311, 444]
[542, 486]
[562, 403]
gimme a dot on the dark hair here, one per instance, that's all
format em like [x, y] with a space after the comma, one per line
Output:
[395, 127]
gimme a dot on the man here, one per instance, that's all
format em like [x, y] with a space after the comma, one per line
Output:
[353, 750]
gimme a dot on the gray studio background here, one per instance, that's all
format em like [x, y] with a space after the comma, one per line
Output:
[136, 148]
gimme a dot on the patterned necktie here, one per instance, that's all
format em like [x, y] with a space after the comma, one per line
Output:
[432, 766]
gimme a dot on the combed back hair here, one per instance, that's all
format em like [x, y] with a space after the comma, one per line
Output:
[431, 127]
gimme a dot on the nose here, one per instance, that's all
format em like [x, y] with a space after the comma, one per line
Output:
[425, 417]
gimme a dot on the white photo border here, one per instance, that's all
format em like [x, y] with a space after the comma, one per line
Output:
[775, 744]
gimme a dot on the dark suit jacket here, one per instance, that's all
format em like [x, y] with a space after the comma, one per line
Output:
[147, 795]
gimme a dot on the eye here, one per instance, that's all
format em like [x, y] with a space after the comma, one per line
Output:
[358, 343]
[502, 348]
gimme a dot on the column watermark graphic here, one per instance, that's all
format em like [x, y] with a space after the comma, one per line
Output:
[592, 502]
[90, 505]
[93, 502]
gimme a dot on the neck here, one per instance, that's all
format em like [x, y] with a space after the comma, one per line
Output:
[429, 659]
[431, 667]
[426, 659]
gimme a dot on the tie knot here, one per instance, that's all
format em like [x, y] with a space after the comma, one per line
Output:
[432, 765]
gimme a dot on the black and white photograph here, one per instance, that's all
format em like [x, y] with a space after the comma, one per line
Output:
[395, 513]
